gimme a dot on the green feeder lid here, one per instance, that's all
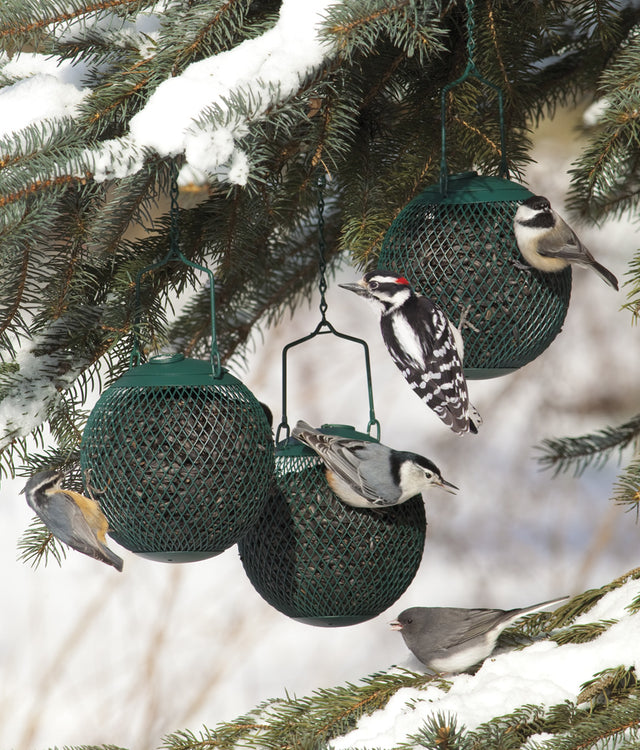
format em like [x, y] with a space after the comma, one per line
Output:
[175, 370]
[470, 187]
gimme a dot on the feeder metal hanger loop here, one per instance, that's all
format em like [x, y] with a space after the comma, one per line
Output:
[470, 71]
[175, 254]
[325, 327]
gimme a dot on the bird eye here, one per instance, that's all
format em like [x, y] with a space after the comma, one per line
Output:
[428, 474]
[373, 285]
[409, 620]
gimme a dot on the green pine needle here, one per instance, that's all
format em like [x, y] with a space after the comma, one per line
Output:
[38, 544]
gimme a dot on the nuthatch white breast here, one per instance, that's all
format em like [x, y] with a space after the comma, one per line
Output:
[71, 517]
[548, 243]
[426, 347]
[452, 639]
[366, 474]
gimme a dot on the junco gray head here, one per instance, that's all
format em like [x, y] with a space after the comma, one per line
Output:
[452, 639]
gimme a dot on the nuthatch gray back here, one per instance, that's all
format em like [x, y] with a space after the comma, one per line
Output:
[366, 474]
[548, 243]
[71, 517]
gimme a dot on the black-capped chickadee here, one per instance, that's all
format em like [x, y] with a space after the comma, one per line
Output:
[548, 243]
[426, 347]
[367, 474]
[452, 639]
[71, 517]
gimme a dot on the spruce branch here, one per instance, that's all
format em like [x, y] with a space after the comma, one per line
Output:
[581, 633]
[593, 449]
[37, 544]
[607, 685]
[51, 13]
[626, 490]
[440, 731]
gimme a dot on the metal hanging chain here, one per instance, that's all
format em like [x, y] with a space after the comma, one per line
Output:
[174, 214]
[175, 254]
[471, 71]
[322, 246]
[324, 327]
[471, 39]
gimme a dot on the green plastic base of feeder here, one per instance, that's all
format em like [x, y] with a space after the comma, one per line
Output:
[485, 373]
[334, 622]
[177, 557]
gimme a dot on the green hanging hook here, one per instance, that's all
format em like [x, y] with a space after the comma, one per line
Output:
[470, 71]
[325, 327]
[175, 254]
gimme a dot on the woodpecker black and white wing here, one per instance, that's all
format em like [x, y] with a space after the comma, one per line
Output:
[421, 343]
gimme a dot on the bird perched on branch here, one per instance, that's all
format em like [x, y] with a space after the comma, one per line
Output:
[548, 243]
[452, 639]
[367, 474]
[71, 517]
[427, 348]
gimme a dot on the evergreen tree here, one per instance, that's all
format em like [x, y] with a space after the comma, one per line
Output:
[79, 193]
[83, 207]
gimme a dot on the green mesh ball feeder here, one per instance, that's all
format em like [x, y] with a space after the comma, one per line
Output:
[179, 452]
[311, 556]
[320, 561]
[454, 242]
[459, 249]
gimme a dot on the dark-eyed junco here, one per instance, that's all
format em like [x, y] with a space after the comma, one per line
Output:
[367, 474]
[452, 639]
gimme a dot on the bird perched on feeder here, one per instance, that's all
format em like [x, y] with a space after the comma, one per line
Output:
[71, 517]
[427, 348]
[452, 639]
[548, 243]
[367, 474]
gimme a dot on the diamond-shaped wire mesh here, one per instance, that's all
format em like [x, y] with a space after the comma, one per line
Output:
[323, 562]
[181, 472]
[460, 254]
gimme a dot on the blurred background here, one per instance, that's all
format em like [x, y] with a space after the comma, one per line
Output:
[91, 657]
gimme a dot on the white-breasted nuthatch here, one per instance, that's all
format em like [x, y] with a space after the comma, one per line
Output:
[548, 243]
[426, 347]
[71, 517]
[452, 639]
[367, 474]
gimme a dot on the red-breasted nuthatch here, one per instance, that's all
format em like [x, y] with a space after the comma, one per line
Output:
[367, 474]
[71, 517]
[426, 347]
[548, 243]
[452, 639]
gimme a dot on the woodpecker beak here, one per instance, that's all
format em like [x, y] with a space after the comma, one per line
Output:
[359, 287]
[395, 625]
[447, 486]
